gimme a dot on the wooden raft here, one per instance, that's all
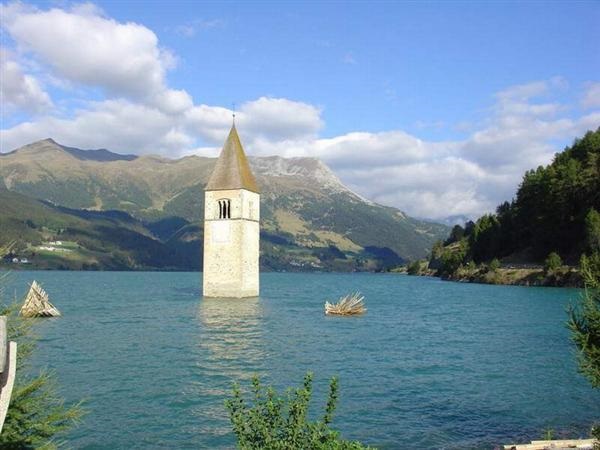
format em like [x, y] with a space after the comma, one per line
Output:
[553, 445]
[349, 305]
[37, 303]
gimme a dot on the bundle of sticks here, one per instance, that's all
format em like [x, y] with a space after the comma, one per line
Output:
[37, 303]
[348, 305]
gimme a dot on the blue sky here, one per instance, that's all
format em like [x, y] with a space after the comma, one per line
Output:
[469, 94]
[373, 67]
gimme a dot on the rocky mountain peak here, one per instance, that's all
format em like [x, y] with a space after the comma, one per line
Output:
[307, 168]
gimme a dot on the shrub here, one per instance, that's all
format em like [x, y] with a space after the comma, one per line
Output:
[595, 433]
[591, 264]
[414, 268]
[552, 262]
[494, 264]
[281, 423]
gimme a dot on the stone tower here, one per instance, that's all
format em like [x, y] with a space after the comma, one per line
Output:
[231, 225]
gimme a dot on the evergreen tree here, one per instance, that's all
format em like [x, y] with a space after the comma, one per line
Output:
[584, 321]
[552, 262]
[592, 230]
[36, 414]
[456, 234]
[555, 209]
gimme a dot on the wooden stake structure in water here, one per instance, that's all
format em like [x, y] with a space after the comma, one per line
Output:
[351, 304]
[37, 303]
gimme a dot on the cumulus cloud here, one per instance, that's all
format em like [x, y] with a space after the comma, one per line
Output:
[115, 124]
[20, 91]
[426, 179]
[268, 124]
[280, 119]
[84, 46]
[516, 100]
[126, 126]
[142, 114]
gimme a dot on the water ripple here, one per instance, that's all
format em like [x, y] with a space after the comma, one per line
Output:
[439, 365]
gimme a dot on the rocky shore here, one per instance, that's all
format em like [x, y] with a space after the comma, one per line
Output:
[563, 277]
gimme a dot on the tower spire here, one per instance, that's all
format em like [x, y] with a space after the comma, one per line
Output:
[232, 170]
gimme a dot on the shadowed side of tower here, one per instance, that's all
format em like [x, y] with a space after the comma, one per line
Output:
[231, 225]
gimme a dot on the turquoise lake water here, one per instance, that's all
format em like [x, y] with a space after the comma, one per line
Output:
[432, 365]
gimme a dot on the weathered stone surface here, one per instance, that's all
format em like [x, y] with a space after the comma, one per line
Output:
[231, 246]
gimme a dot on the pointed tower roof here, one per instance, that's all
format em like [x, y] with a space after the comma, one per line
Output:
[232, 170]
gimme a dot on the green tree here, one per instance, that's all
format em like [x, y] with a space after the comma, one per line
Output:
[550, 211]
[584, 321]
[281, 423]
[36, 414]
[414, 268]
[592, 230]
[437, 250]
[484, 240]
[494, 264]
[456, 234]
[552, 262]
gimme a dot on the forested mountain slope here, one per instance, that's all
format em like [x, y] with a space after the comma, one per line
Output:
[309, 218]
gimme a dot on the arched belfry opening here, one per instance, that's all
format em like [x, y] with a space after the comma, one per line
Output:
[225, 208]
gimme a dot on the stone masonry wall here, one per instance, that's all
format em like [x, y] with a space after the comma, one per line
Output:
[231, 246]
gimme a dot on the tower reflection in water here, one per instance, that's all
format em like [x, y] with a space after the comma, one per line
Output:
[231, 338]
[230, 349]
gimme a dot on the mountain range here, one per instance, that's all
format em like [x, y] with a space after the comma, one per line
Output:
[309, 219]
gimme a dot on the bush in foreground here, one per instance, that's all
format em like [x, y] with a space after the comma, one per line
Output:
[281, 423]
[36, 414]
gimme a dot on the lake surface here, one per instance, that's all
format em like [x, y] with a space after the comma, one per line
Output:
[432, 364]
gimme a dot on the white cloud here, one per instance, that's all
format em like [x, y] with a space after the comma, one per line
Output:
[591, 97]
[126, 126]
[19, 91]
[277, 119]
[523, 92]
[516, 100]
[426, 179]
[142, 114]
[266, 123]
[86, 47]
[119, 125]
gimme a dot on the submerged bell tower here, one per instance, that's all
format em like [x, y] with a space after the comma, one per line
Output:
[231, 225]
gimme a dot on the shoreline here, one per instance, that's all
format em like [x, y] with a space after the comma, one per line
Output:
[567, 277]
